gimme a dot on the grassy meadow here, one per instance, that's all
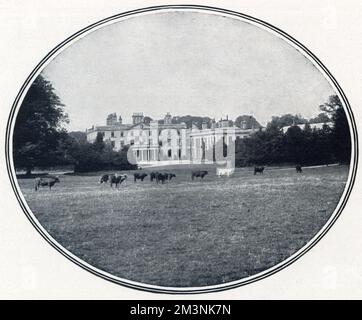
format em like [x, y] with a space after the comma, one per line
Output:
[188, 233]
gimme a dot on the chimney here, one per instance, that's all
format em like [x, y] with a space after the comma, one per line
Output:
[137, 117]
[224, 123]
[168, 118]
[112, 119]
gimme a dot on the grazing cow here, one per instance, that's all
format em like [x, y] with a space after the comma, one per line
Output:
[105, 178]
[46, 181]
[161, 177]
[224, 171]
[153, 175]
[201, 174]
[139, 176]
[258, 170]
[117, 179]
[171, 175]
[298, 168]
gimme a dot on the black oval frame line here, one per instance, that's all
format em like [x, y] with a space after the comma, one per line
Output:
[191, 290]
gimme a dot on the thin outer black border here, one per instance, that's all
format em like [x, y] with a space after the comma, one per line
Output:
[184, 290]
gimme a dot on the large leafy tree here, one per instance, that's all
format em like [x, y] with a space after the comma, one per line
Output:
[286, 120]
[340, 131]
[39, 127]
[294, 142]
[320, 118]
[247, 122]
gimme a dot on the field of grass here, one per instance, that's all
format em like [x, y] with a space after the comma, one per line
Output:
[188, 233]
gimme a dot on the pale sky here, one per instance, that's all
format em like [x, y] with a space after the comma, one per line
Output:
[184, 63]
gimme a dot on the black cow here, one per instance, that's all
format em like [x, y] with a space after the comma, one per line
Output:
[139, 176]
[161, 177]
[105, 178]
[117, 179]
[153, 175]
[171, 175]
[201, 174]
[298, 168]
[45, 181]
[258, 170]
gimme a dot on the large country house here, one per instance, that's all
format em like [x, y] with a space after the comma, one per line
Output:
[164, 140]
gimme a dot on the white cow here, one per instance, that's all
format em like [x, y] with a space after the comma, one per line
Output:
[224, 171]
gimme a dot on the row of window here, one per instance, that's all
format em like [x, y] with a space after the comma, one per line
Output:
[169, 140]
[112, 134]
[148, 153]
[131, 133]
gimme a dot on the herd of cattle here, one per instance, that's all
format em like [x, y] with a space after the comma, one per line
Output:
[158, 177]
[119, 178]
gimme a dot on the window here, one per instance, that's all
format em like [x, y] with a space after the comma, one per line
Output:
[169, 153]
[138, 153]
[112, 134]
[121, 133]
[112, 144]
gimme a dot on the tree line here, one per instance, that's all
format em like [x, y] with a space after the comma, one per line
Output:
[296, 145]
[41, 140]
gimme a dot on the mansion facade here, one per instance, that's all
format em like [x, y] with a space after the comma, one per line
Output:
[164, 140]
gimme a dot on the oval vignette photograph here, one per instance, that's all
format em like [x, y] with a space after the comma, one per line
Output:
[182, 149]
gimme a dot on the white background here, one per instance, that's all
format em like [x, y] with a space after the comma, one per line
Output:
[31, 269]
